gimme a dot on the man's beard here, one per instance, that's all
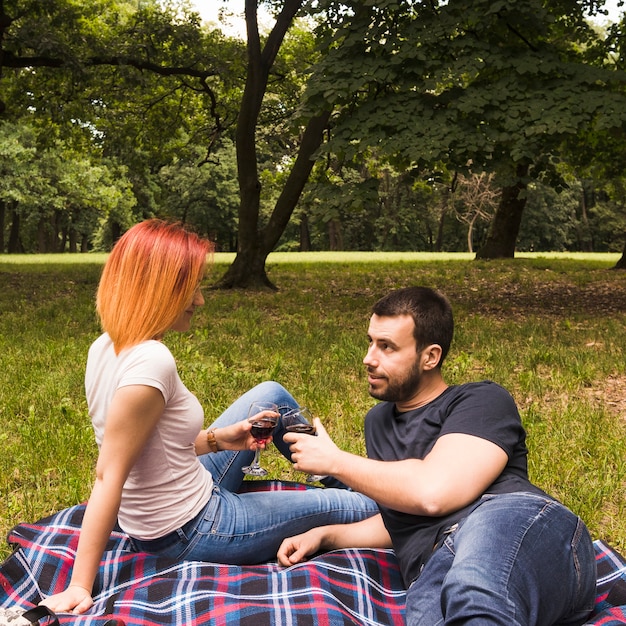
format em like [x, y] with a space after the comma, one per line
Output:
[401, 389]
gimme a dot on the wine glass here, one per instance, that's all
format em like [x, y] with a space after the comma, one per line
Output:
[300, 421]
[263, 424]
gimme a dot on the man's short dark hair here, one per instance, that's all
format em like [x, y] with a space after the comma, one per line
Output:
[431, 313]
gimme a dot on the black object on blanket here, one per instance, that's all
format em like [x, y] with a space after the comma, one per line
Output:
[342, 587]
[39, 613]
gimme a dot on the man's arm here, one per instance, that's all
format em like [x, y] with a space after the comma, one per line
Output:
[368, 533]
[457, 470]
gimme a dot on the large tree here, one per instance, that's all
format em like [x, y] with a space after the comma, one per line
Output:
[138, 86]
[491, 85]
[255, 240]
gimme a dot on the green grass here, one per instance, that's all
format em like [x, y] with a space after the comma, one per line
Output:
[549, 328]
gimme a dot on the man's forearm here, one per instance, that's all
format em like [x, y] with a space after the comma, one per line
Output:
[368, 533]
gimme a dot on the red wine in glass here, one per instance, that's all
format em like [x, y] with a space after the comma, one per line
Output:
[299, 421]
[264, 417]
[262, 429]
[307, 429]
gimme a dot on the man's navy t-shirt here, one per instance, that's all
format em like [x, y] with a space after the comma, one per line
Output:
[482, 409]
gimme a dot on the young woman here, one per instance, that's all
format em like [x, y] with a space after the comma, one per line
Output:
[169, 483]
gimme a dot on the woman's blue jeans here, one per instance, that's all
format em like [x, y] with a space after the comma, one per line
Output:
[517, 559]
[248, 528]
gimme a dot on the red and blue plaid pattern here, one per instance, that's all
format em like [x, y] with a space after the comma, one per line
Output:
[342, 587]
[611, 591]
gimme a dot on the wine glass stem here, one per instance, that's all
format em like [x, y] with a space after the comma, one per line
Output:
[257, 454]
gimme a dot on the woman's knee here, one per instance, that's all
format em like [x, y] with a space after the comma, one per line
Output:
[267, 389]
[273, 391]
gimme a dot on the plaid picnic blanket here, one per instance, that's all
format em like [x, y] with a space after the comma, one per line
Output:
[341, 587]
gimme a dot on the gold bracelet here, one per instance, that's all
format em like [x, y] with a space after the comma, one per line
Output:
[211, 440]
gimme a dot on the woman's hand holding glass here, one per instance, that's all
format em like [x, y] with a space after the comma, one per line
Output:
[263, 416]
[237, 436]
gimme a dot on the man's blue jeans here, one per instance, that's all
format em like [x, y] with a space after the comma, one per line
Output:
[517, 559]
[248, 528]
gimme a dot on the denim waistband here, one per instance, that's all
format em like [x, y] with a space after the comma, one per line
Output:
[162, 543]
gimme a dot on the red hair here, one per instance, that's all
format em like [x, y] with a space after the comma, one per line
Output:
[148, 280]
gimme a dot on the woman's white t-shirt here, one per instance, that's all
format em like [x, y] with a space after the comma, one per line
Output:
[168, 485]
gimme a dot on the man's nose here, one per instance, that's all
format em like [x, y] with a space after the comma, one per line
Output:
[369, 358]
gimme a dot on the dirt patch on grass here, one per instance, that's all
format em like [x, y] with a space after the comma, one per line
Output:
[611, 395]
[554, 297]
[608, 394]
[558, 297]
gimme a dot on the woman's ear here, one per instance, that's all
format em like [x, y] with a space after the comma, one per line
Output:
[431, 356]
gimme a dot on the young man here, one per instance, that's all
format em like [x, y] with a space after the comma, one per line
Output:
[477, 542]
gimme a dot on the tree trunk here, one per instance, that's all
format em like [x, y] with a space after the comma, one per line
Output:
[14, 245]
[470, 233]
[248, 268]
[116, 232]
[3, 212]
[42, 240]
[440, 224]
[57, 235]
[305, 234]
[247, 271]
[335, 236]
[585, 243]
[621, 264]
[254, 244]
[73, 240]
[502, 236]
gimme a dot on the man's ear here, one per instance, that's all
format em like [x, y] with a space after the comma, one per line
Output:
[431, 356]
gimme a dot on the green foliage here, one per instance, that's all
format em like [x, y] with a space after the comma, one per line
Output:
[549, 221]
[206, 195]
[17, 163]
[550, 329]
[115, 82]
[374, 206]
[492, 83]
[56, 193]
[578, 218]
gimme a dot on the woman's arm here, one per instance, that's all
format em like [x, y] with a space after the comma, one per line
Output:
[133, 414]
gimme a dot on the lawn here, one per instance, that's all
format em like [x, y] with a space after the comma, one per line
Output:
[549, 328]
